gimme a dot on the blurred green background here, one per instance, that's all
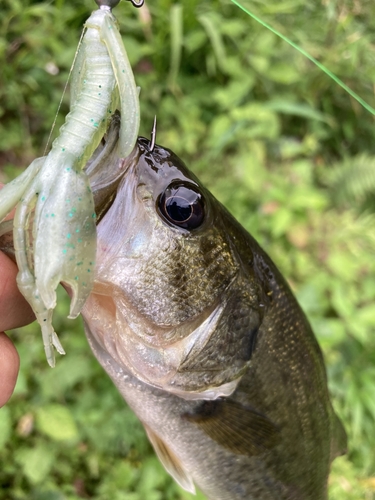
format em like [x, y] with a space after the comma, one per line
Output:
[279, 143]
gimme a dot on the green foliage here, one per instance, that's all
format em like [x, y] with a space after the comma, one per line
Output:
[285, 149]
[352, 183]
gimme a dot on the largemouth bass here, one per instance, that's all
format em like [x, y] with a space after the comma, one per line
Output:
[205, 341]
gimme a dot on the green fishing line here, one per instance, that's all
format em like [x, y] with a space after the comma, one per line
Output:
[312, 59]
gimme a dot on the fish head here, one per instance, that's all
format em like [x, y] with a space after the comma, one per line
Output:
[172, 302]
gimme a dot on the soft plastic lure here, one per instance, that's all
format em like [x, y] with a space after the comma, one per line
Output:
[54, 225]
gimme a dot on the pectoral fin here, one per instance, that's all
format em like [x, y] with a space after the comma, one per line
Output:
[339, 441]
[171, 463]
[236, 427]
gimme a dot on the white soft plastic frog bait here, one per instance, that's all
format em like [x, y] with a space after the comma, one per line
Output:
[54, 225]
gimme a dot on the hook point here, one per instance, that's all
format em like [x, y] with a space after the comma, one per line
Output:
[153, 136]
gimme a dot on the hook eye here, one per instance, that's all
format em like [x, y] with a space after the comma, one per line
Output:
[137, 4]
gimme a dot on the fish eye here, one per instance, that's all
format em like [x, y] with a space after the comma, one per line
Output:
[182, 205]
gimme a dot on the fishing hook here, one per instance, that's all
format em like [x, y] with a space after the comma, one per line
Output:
[137, 4]
[110, 4]
[153, 135]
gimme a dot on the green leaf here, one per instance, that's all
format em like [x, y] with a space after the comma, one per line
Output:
[176, 18]
[56, 422]
[209, 23]
[5, 426]
[69, 371]
[296, 109]
[283, 73]
[35, 463]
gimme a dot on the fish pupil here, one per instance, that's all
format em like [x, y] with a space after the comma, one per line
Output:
[182, 205]
[178, 209]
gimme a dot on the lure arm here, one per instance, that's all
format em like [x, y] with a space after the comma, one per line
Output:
[54, 225]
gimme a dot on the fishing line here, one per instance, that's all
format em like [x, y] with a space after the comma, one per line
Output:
[64, 91]
[312, 59]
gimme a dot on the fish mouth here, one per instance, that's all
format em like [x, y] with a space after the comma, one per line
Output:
[106, 168]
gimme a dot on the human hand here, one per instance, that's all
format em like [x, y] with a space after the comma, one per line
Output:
[14, 313]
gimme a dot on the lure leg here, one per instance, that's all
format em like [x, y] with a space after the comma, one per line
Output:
[12, 192]
[26, 280]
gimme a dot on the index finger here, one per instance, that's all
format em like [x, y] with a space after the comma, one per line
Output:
[9, 365]
[14, 310]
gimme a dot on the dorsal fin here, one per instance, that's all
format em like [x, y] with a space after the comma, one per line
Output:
[236, 427]
[171, 463]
